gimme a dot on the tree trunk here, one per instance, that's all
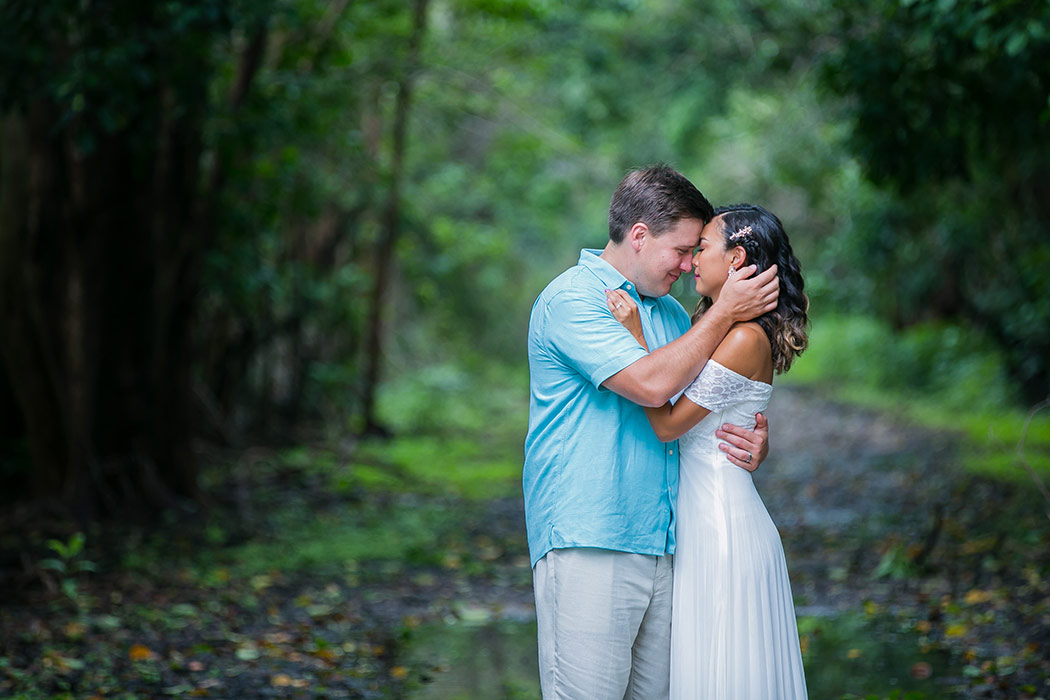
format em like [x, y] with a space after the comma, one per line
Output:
[102, 236]
[390, 227]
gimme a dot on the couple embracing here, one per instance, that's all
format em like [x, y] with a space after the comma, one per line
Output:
[657, 570]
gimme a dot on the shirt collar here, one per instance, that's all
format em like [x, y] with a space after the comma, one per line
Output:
[609, 275]
[606, 273]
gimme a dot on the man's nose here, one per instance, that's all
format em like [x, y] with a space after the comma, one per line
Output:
[686, 263]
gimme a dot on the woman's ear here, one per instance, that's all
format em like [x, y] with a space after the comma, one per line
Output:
[739, 257]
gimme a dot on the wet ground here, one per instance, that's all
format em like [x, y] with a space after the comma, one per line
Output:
[908, 574]
[883, 536]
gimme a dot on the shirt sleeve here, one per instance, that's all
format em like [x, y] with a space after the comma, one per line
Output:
[586, 336]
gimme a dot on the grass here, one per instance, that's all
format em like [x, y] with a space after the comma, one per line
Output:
[330, 533]
[942, 377]
[458, 466]
[313, 560]
[453, 452]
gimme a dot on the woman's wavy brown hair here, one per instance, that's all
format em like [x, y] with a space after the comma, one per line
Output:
[766, 244]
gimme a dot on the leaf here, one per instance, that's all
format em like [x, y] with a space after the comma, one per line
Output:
[247, 653]
[956, 630]
[76, 544]
[179, 690]
[58, 548]
[283, 680]
[140, 652]
[921, 670]
[895, 564]
[75, 630]
[109, 622]
[977, 596]
[54, 564]
[1016, 44]
[326, 654]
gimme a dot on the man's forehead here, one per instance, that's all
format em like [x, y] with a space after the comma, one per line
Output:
[684, 232]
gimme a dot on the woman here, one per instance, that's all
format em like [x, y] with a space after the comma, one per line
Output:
[733, 631]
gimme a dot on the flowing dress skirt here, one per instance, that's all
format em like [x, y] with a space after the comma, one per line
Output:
[733, 630]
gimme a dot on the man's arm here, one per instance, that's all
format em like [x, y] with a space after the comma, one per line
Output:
[744, 448]
[654, 379]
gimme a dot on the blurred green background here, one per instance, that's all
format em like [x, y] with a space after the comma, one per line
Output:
[237, 218]
[246, 239]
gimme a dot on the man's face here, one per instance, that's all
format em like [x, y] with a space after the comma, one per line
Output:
[662, 259]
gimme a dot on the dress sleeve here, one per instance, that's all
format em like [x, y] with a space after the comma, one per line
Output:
[716, 387]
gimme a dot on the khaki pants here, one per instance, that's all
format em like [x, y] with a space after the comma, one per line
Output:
[604, 623]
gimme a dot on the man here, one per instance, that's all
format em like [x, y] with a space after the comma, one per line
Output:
[600, 488]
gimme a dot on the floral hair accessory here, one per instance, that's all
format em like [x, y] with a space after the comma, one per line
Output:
[740, 233]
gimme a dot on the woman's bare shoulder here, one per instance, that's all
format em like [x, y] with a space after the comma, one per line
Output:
[745, 350]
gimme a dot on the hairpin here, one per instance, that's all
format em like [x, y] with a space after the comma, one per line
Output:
[740, 233]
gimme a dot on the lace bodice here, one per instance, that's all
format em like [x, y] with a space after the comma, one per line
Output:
[731, 398]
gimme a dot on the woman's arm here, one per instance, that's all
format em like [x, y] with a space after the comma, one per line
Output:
[669, 421]
[672, 421]
[740, 351]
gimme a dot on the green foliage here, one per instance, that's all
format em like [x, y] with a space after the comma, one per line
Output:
[451, 399]
[67, 564]
[950, 114]
[895, 564]
[944, 376]
[956, 365]
[944, 89]
[854, 655]
[916, 198]
[104, 68]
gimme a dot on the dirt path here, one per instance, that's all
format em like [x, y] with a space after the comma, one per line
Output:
[846, 485]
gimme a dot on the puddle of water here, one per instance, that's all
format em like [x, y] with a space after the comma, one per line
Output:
[467, 661]
[852, 654]
[496, 660]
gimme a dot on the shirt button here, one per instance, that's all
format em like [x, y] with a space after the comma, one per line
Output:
[670, 452]
[629, 286]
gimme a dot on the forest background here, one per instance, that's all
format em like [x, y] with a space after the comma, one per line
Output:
[320, 225]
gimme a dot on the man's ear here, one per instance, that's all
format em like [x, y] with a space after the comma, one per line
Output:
[638, 235]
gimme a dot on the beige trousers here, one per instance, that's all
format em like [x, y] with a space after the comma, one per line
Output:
[604, 623]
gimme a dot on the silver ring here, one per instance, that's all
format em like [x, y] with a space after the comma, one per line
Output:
[619, 305]
[748, 458]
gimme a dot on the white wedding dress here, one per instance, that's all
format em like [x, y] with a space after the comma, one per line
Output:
[733, 631]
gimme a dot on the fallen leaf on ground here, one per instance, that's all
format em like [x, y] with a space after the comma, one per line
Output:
[140, 652]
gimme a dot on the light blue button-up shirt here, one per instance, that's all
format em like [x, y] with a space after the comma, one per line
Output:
[595, 474]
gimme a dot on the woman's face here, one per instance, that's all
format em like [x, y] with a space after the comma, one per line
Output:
[712, 261]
